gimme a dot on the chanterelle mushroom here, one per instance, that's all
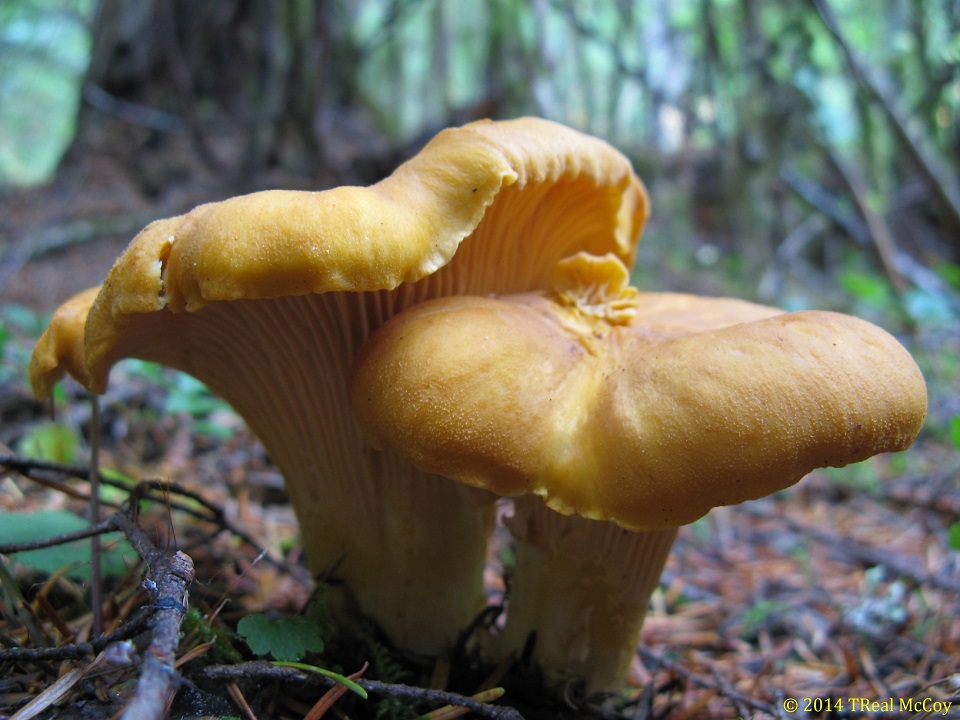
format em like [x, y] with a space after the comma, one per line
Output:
[617, 416]
[266, 297]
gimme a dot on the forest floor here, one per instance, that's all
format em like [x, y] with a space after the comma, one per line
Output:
[839, 598]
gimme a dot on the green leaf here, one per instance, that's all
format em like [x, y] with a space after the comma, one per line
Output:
[46, 49]
[117, 554]
[190, 396]
[953, 536]
[117, 476]
[213, 430]
[868, 288]
[50, 441]
[287, 639]
[25, 319]
[955, 431]
[949, 272]
[202, 629]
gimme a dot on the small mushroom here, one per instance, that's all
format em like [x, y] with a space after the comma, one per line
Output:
[614, 417]
[266, 297]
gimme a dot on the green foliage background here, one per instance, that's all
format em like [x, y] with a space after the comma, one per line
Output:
[44, 52]
[649, 75]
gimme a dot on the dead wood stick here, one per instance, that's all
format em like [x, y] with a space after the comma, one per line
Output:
[77, 651]
[822, 200]
[265, 670]
[96, 563]
[111, 524]
[184, 87]
[878, 230]
[167, 579]
[154, 490]
[923, 497]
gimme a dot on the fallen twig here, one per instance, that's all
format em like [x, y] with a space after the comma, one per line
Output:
[111, 524]
[77, 651]
[113, 656]
[75, 232]
[264, 670]
[152, 490]
[167, 579]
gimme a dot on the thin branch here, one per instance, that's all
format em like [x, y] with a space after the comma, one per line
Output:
[588, 32]
[938, 175]
[873, 228]
[181, 75]
[19, 251]
[261, 670]
[111, 524]
[78, 651]
[879, 231]
[166, 579]
[114, 656]
[822, 200]
[132, 113]
[154, 491]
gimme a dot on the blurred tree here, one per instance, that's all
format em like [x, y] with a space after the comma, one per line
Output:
[785, 137]
[253, 84]
[43, 52]
[244, 79]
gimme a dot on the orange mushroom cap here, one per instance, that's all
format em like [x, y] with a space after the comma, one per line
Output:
[646, 410]
[266, 297]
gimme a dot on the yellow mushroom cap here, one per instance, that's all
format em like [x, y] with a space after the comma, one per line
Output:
[644, 409]
[492, 204]
[60, 348]
[266, 297]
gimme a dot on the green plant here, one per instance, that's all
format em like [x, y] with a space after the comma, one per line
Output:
[342, 679]
[117, 554]
[19, 328]
[760, 615]
[199, 629]
[51, 441]
[185, 395]
[858, 476]
[286, 639]
[289, 639]
[953, 532]
[46, 51]
[870, 291]
[953, 536]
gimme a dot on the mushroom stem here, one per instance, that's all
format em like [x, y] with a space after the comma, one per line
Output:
[393, 536]
[583, 586]
[407, 547]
